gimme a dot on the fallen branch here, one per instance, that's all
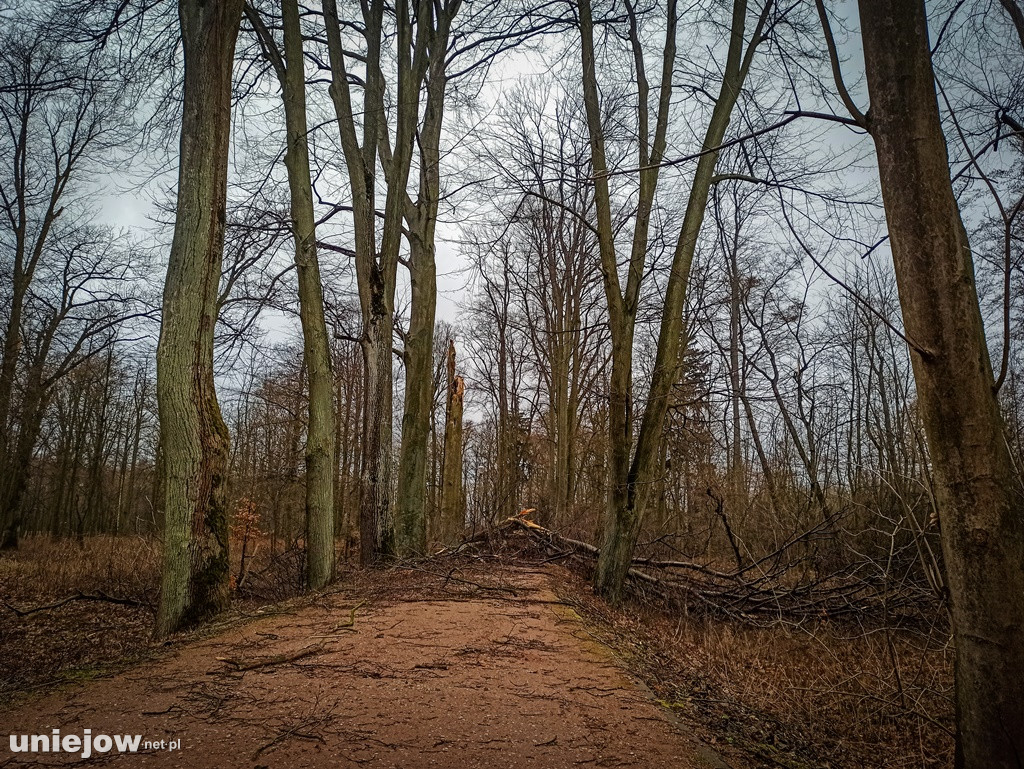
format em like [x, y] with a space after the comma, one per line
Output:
[97, 596]
[350, 623]
[763, 589]
[277, 659]
[293, 731]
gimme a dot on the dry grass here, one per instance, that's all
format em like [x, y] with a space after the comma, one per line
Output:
[827, 694]
[824, 694]
[83, 638]
[43, 569]
[77, 639]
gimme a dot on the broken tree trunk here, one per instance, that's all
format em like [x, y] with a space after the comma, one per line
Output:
[453, 512]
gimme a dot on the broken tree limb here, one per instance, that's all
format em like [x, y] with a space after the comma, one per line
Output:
[97, 596]
[769, 587]
[276, 659]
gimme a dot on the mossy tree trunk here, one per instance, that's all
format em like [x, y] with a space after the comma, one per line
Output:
[421, 219]
[193, 436]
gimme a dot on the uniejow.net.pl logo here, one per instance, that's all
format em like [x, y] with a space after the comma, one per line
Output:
[87, 744]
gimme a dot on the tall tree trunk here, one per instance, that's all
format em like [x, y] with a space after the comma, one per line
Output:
[453, 511]
[632, 470]
[506, 482]
[320, 446]
[737, 474]
[19, 462]
[621, 519]
[376, 271]
[421, 218]
[376, 516]
[193, 435]
[411, 496]
[561, 418]
[320, 438]
[980, 500]
[8, 369]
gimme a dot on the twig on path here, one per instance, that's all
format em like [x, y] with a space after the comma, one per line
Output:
[450, 577]
[163, 712]
[285, 734]
[350, 624]
[277, 659]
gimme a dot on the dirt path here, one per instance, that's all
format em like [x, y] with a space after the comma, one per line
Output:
[509, 679]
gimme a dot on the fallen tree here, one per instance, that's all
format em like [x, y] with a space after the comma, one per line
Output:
[771, 587]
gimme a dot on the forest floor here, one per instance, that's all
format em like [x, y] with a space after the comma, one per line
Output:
[498, 646]
[489, 667]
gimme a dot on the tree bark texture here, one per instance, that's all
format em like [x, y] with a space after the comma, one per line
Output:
[981, 507]
[194, 438]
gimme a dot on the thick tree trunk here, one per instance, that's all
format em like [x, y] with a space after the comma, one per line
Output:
[421, 219]
[981, 506]
[419, 45]
[320, 446]
[376, 516]
[193, 435]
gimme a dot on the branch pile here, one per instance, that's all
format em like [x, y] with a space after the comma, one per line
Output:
[768, 588]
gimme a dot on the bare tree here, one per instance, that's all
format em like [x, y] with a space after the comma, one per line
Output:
[376, 269]
[421, 218]
[631, 470]
[61, 117]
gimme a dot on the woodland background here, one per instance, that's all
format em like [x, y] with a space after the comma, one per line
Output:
[793, 476]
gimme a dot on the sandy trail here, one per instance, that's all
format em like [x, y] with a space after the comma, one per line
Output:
[509, 679]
